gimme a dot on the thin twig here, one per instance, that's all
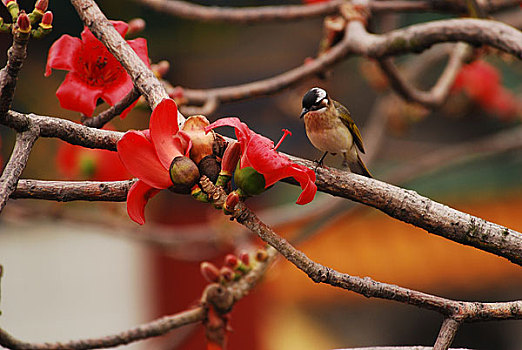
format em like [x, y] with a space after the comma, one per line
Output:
[447, 333]
[236, 290]
[148, 330]
[106, 116]
[438, 94]
[9, 74]
[299, 12]
[16, 164]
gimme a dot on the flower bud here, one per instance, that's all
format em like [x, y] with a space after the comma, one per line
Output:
[7, 2]
[227, 274]
[184, 174]
[160, 69]
[41, 5]
[231, 261]
[249, 181]
[136, 25]
[23, 23]
[245, 258]
[209, 271]
[230, 158]
[231, 201]
[261, 255]
[209, 166]
[47, 20]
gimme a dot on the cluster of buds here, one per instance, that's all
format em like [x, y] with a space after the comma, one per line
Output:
[23, 22]
[234, 267]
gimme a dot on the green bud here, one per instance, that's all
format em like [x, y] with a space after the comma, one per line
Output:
[249, 181]
[184, 174]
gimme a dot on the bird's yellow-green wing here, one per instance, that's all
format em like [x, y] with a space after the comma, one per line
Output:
[347, 120]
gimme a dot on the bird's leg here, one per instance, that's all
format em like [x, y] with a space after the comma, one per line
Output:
[320, 161]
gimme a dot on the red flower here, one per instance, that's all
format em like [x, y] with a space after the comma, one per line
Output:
[482, 83]
[76, 162]
[93, 72]
[259, 153]
[150, 155]
[314, 1]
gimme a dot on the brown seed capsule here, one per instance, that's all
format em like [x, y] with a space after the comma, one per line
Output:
[261, 255]
[209, 166]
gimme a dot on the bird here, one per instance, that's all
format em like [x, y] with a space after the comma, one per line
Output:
[331, 129]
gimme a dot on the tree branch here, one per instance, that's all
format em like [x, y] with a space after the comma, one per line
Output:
[106, 116]
[438, 94]
[66, 191]
[300, 12]
[9, 74]
[468, 311]
[148, 330]
[447, 333]
[17, 162]
[418, 37]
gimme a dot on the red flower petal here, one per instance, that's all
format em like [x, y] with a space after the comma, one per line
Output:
[74, 94]
[138, 196]
[163, 127]
[139, 157]
[139, 46]
[121, 27]
[243, 133]
[116, 90]
[62, 54]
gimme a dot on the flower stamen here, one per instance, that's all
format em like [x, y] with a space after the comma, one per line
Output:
[286, 133]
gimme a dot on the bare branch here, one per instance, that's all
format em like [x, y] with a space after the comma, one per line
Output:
[468, 311]
[438, 94]
[106, 116]
[66, 191]
[144, 79]
[410, 207]
[299, 12]
[17, 162]
[148, 330]
[9, 74]
[447, 333]
[419, 37]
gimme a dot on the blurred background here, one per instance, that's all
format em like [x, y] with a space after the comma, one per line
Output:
[82, 269]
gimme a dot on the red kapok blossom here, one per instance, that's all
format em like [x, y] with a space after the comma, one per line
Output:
[314, 1]
[482, 83]
[93, 71]
[150, 154]
[76, 162]
[259, 153]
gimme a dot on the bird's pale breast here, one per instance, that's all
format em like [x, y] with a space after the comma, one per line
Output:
[327, 133]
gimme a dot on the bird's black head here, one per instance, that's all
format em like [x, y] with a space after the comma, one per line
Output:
[316, 98]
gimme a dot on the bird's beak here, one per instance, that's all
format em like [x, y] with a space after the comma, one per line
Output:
[303, 112]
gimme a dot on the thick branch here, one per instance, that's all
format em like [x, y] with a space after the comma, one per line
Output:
[299, 12]
[410, 207]
[17, 162]
[66, 191]
[152, 329]
[419, 37]
[438, 94]
[143, 78]
[405, 205]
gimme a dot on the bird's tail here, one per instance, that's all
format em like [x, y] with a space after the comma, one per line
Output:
[357, 166]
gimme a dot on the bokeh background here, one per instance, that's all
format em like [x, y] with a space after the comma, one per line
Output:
[83, 269]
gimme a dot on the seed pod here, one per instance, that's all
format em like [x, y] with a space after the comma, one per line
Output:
[184, 174]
